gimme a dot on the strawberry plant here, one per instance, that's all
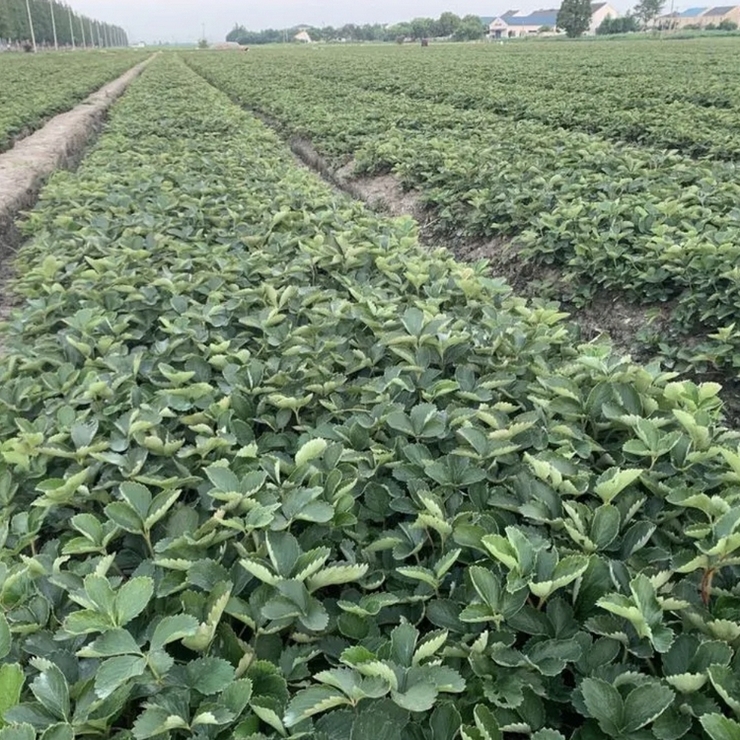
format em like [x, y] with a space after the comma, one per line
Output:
[270, 469]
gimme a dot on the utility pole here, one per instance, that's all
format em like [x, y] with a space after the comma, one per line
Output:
[71, 27]
[30, 25]
[53, 24]
[82, 28]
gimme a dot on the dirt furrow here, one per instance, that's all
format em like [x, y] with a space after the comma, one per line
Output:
[60, 143]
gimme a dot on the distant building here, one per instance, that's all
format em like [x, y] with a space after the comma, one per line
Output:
[513, 23]
[700, 17]
[599, 13]
[302, 37]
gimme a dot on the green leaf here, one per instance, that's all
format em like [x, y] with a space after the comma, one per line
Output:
[173, 628]
[727, 685]
[403, 643]
[717, 727]
[614, 481]
[83, 433]
[444, 722]
[222, 478]
[101, 594]
[284, 552]
[4, 636]
[132, 598]
[604, 704]
[125, 517]
[84, 621]
[137, 497]
[308, 702]
[336, 725]
[310, 451]
[51, 689]
[417, 698]
[236, 696]
[379, 720]
[565, 572]
[502, 550]
[22, 731]
[209, 675]
[115, 642]
[429, 646]
[161, 504]
[486, 723]
[486, 584]
[605, 526]
[152, 721]
[114, 672]
[59, 731]
[335, 575]
[11, 683]
[645, 704]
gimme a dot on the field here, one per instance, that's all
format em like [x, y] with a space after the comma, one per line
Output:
[270, 467]
[35, 88]
[636, 195]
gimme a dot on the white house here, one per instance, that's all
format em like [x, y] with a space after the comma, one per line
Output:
[513, 23]
[599, 13]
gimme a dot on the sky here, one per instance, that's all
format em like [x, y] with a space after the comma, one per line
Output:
[183, 20]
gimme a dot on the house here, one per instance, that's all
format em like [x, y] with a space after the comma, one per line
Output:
[599, 13]
[513, 23]
[700, 17]
[721, 13]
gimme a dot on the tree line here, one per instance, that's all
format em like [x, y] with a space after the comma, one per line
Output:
[50, 16]
[448, 25]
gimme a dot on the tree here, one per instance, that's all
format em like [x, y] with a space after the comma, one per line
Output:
[470, 29]
[647, 11]
[574, 17]
[609, 26]
[447, 24]
[422, 28]
[727, 25]
[237, 32]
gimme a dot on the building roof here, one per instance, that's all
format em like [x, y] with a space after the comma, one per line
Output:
[596, 6]
[486, 20]
[510, 13]
[692, 13]
[720, 10]
[538, 18]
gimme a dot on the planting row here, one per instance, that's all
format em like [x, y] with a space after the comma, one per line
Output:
[269, 469]
[683, 96]
[36, 87]
[655, 226]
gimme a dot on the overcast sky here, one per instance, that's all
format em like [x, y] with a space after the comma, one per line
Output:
[182, 20]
